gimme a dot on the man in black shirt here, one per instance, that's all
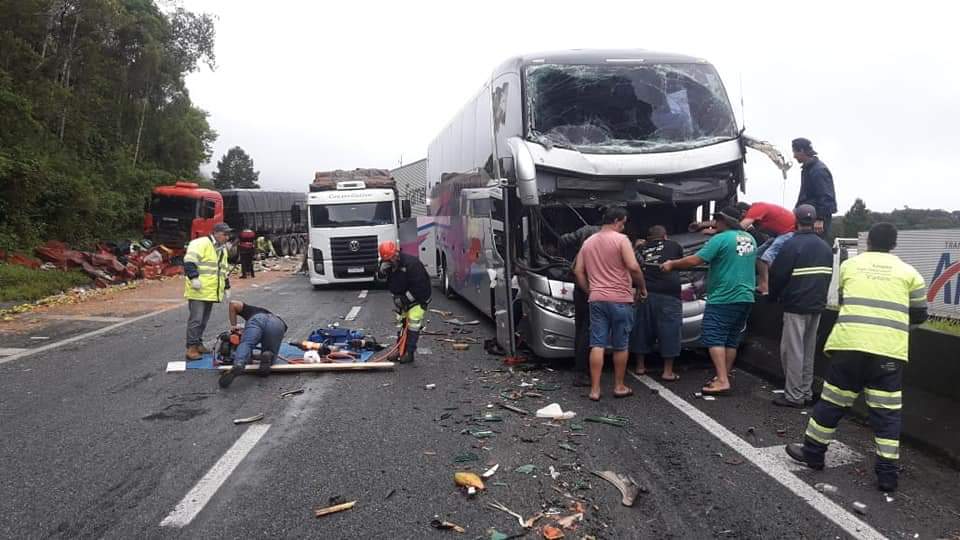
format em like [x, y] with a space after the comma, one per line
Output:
[658, 318]
[261, 328]
[409, 282]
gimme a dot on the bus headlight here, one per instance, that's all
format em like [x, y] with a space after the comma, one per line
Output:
[555, 305]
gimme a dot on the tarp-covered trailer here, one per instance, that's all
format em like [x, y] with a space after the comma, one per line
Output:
[280, 216]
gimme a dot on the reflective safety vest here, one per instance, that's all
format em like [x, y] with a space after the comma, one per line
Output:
[877, 291]
[212, 265]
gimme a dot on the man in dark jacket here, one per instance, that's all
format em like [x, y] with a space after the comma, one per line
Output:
[799, 279]
[409, 282]
[816, 185]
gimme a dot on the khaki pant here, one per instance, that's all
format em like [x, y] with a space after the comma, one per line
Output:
[798, 348]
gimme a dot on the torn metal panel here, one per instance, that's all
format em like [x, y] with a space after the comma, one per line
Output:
[770, 151]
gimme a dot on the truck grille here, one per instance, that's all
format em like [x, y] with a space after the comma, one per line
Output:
[354, 257]
[171, 233]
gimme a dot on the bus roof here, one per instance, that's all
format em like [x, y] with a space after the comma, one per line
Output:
[611, 56]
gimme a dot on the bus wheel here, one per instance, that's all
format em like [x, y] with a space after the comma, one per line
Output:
[445, 287]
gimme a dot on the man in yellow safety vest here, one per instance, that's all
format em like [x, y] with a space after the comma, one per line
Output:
[206, 268]
[881, 297]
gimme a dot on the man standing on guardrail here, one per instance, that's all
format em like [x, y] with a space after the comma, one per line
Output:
[799, 279]
[816, 185]
[881, 297]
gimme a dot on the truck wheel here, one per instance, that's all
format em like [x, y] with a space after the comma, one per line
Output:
[285, 247]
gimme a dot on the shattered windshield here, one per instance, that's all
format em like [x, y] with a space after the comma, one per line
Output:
[351, 215]
[627, 108]
[173, 207]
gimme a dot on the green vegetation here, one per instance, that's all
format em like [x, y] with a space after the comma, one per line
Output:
[949, 326]
[18, 283]
[235, 171]
[860, 218]
[95, 113]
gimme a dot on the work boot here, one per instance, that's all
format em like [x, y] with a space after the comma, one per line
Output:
[227, 377]
[406, 357]
[781, 401]
[796, 452]
[193, 353]
[266, 360]
[203, 349]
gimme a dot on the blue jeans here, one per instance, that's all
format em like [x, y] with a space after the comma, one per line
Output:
[724, 324]
[659, 318]
[610, 325]
[768, 250]
[262, 329]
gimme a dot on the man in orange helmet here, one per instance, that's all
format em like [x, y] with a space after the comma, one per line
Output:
[409, 282]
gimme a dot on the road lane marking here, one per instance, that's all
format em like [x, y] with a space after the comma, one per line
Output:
[774, 467]
[363, 294]
[97, 332]
[354, 311]
[8, 351]
[194, 501]
[84, 318]
[838, 456]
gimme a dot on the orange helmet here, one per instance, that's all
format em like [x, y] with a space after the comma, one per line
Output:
[388, 250]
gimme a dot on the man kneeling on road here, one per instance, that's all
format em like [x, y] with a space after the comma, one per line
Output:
[262, 328]
[409, 282]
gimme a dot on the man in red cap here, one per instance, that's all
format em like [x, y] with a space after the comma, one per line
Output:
[409, 282]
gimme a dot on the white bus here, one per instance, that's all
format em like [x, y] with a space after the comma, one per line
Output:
[576, 131]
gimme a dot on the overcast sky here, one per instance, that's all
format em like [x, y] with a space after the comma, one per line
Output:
[307, 86]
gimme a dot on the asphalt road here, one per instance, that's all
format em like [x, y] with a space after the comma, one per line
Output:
[96, 440]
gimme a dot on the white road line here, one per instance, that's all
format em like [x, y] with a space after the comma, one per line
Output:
[354, 311]
[7, 351]
[770, 465]
[363, 294]
[90, 318]
[194, 501]
[80, 337]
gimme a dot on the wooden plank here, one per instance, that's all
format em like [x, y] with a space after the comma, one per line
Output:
[342, 366]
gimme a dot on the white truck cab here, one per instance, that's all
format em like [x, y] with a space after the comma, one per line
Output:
[349, 217]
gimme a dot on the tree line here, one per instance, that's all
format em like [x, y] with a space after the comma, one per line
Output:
[860, 218]
[95, 112]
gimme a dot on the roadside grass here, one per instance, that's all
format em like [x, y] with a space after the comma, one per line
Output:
[18, 283]
[948, 326]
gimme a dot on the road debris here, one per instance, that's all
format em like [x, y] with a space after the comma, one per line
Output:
[491, 471]
[554, 473]
[249, 419]
[292, 392]
[517, 410]
[465, 457]
[732, 460]
[554, 412]
[499, 506]
[447, 526]
[552, 533]
[860, 507]
[611, 420]
[497, 535]
[440, 312]
[390, 493]
[826, 488]
[567, 447]
[320, 512]
[570, 521]
[709, 398]
[460, 346]
[479, 433]
[458, 322]
[628, 486]
[526, 469]
[430, 386]
[468, 480]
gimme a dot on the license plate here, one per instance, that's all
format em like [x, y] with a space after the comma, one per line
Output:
[355, 270]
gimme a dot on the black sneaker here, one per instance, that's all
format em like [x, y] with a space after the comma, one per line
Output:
[796, 452]
[266, 360]
[227, 377]
[781, 401]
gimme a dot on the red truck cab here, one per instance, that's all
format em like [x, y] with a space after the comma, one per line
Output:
[177, 214]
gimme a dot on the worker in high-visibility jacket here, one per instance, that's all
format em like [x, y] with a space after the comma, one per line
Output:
[409, 282]
[881, 298]
[206, 268]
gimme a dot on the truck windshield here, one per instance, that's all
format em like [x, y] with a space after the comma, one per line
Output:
[621, 108]
[351, 215]
[174, 207]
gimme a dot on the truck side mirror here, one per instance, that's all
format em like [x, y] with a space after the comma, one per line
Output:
[295, 214]
[405, 210]
[209, 209]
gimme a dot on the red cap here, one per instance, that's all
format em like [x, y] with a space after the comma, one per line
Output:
[388, 250]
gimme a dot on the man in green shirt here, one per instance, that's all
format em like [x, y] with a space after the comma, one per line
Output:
[732, 256]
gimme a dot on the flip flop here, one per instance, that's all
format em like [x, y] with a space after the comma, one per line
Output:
[707, 392]
[623, 395]
[675, 378]
[593, 398]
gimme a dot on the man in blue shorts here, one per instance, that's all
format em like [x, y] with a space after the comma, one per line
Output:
[732, 256]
